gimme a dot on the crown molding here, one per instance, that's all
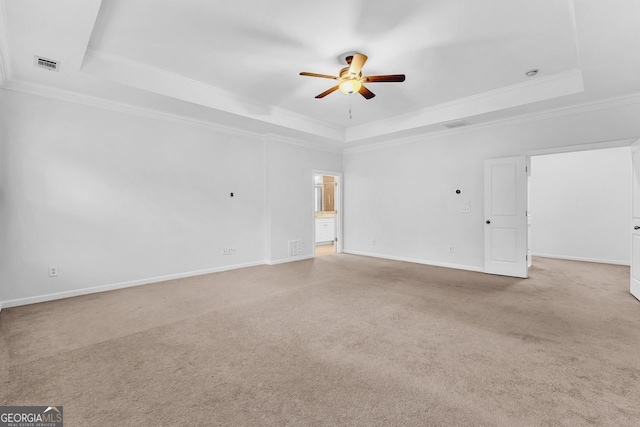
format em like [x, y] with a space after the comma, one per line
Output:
[538, 89]
[271, 137]
[92, 101]
[74, 97]
[603, 145]
[133, 73]
[586, 107]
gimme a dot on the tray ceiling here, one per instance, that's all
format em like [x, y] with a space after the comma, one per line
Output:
[242, 58]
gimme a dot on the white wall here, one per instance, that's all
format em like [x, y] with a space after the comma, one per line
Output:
[403, 195]
[291, 194]
[581, 206]
[113, 199]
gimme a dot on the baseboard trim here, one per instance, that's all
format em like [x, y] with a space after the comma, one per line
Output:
[122, 285]
[418, 261]
[575, 258]
[129, 284]
[290, 259]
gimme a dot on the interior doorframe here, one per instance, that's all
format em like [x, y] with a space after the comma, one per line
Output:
[634, 279]
[338, 206]
[628, 142]
[573, 148]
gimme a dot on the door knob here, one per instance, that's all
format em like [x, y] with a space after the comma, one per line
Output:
[636, 227]
[488, 222]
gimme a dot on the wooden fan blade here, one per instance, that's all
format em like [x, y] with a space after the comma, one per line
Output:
[327, 92]
[387, 78]
[324, 76]
[366, 92]
[357, 62]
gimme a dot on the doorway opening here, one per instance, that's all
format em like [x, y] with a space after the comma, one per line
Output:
[580, 204]
[327, 224]
[506, 195]
[581, 208]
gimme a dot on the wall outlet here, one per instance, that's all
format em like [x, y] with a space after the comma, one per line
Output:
[53, 271]
[233, 250]
[224, 251]
[373, 242]
[450, 248]
[465, 209]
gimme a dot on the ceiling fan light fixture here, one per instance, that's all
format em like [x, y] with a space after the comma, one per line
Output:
[350, 86]
[350, 78]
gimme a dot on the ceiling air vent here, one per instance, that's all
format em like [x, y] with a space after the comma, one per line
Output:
[45, 63]
[456, 124]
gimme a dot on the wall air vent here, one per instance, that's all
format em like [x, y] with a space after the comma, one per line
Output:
[456, 124]
[295, 248]
[48, 64]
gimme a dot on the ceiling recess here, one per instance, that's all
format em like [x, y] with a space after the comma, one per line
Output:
[47, 64]
[456, 124]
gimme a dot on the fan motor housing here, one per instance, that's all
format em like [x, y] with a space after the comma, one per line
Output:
[344, 74]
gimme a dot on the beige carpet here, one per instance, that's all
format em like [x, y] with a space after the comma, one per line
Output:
[341, 340]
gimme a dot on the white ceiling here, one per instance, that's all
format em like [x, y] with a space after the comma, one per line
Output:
[238, 62]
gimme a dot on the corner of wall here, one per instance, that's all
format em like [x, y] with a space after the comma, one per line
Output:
[267, 201]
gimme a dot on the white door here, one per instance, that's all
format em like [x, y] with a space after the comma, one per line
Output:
[505, 215]
[635, 232]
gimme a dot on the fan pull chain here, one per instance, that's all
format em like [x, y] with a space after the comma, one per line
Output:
[350, 117]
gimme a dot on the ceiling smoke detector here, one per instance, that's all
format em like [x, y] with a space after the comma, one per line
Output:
[531, 73]
[47, 64]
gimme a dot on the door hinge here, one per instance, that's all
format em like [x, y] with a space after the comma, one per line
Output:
[526, 257]
[336, 239]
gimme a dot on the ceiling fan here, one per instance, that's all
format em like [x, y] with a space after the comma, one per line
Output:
[351, 79]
